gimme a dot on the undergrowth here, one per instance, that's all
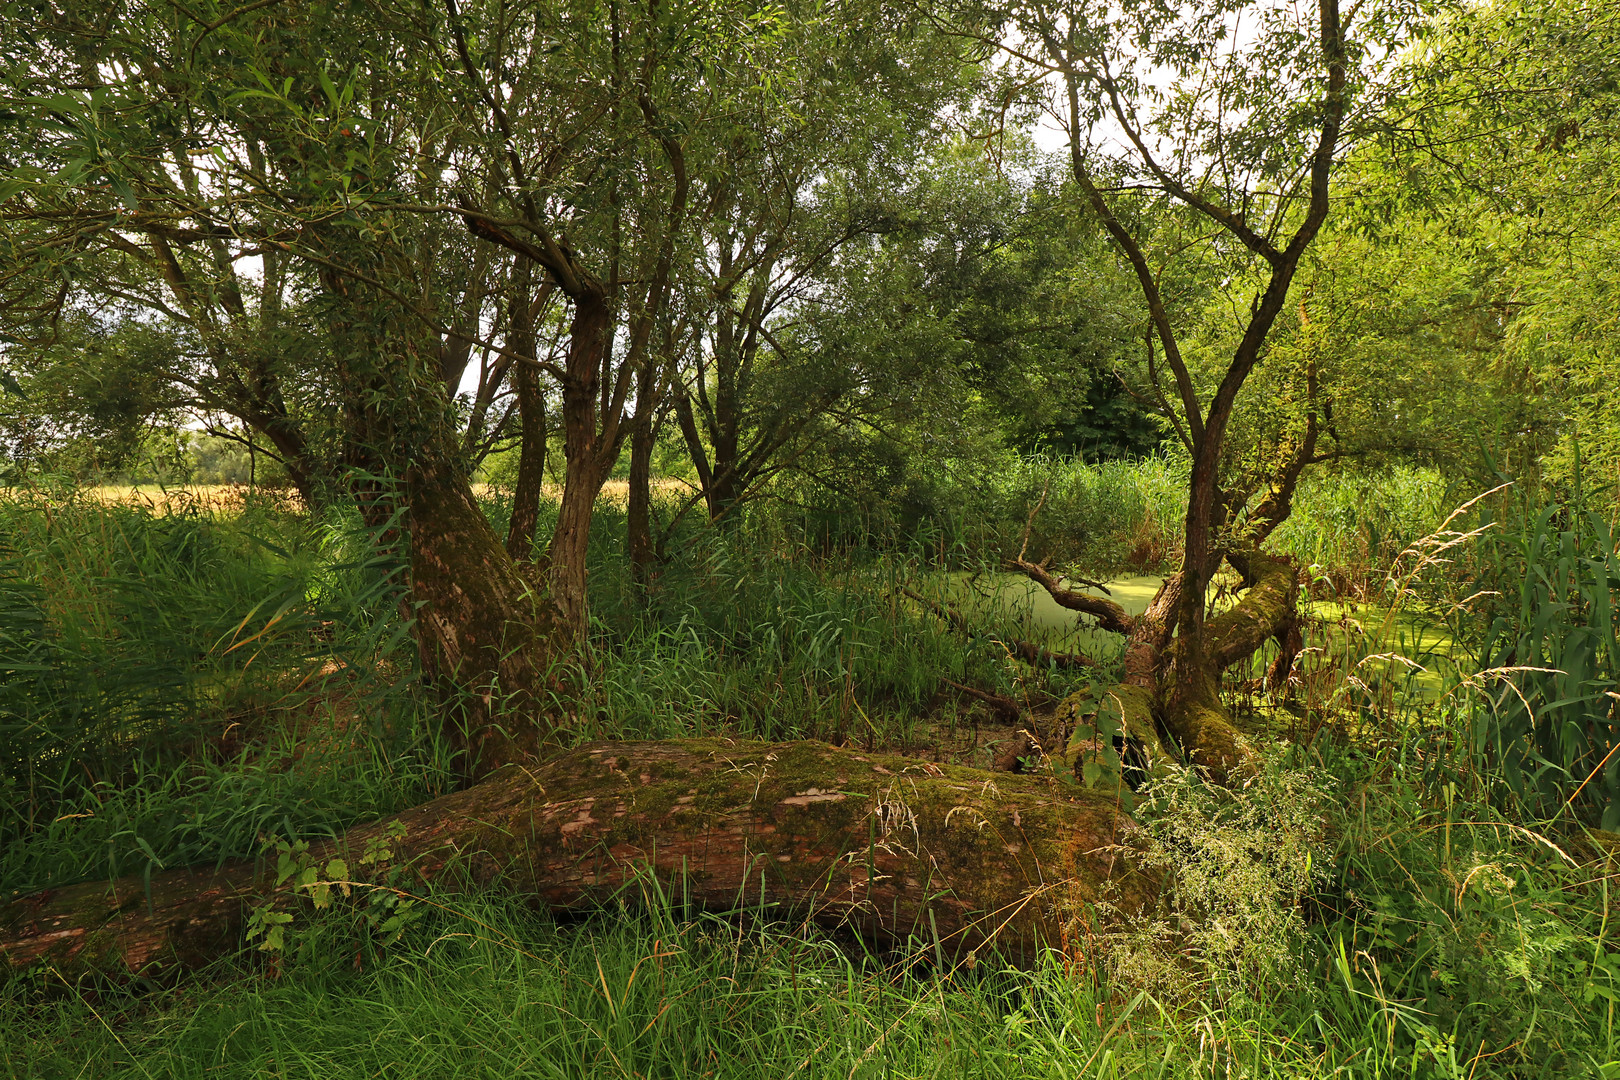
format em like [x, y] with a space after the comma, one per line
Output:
[176, 685]
[190, 686]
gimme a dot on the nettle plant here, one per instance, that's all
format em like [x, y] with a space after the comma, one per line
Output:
[300, 878]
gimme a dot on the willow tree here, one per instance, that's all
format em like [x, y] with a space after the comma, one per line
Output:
[414, 182]
[1206, 139]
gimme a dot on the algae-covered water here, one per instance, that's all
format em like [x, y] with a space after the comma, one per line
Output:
[1013, 604]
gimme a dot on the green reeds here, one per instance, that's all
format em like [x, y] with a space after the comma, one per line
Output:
[1547, 583]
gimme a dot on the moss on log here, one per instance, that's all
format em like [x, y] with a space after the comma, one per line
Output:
[885, 845]
[1132, 706]
[1267, 606]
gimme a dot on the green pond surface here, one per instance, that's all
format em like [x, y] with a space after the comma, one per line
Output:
[1012, 603]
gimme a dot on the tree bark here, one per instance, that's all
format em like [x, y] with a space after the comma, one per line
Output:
[587, 462]
[487, 642]
[885, 846]
[638, 506]
[532, 432]
[1185, 696]
[652, 384]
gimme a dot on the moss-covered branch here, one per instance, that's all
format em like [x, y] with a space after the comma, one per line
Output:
[1265, 610]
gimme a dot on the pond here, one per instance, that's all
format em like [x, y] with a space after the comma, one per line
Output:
[1010, 603]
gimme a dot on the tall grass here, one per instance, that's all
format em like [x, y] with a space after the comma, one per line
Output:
[1112, 518]
[174, 686]
[1348, 527]
[1416, 923]
[1106, 518]
[1438, 939]
[740, 637]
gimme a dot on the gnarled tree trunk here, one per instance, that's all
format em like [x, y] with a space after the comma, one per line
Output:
[491, 646]
[1184, 689]
[887, 846]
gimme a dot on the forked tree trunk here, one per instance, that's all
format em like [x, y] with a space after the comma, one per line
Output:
[1185, 693]
[886, 846]
[1173, 651]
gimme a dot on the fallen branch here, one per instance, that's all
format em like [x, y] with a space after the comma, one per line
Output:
[1027, 651]
[1109, 615]
[1004, 707]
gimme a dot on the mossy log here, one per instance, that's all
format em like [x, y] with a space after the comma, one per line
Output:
[1130, 709]
[887, 846]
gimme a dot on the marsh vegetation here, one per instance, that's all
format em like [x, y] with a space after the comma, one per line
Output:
[697, 538]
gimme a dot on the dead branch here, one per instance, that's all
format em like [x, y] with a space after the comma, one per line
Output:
[1027, 651]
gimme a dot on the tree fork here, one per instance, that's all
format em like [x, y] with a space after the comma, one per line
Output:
[1193, 712]
[887, 846]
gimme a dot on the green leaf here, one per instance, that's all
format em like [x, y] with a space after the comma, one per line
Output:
[125, 193]
[328, 88]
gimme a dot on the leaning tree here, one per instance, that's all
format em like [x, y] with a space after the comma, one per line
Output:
[1206, 135]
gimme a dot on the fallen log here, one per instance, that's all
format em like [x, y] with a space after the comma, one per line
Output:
[887, 846]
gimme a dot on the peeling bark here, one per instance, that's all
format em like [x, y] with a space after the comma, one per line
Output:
[887, 846]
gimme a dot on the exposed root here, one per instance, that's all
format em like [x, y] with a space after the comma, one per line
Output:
[1136, 743]
[1204, 729]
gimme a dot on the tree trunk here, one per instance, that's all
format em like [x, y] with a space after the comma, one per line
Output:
[638, 507]
[587, 463]
[887, 846]
[1184, 687]
[532, 432]
[531, 475]
[487, 642]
